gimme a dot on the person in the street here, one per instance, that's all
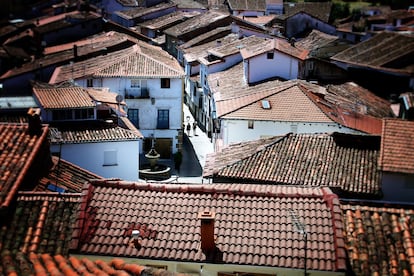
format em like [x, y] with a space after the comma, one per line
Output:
[194, 128]
[188, 129]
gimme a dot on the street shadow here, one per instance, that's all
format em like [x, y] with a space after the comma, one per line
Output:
[190, 166]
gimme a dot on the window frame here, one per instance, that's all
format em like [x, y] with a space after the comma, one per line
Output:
[165, 83]
[163, 119]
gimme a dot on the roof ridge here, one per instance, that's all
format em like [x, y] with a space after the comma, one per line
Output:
[217, 188]
[268, 92]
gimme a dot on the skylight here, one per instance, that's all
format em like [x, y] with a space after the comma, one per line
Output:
[265, 104]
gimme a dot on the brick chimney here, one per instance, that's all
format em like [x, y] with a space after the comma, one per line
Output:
[208, 244]
[35, 123]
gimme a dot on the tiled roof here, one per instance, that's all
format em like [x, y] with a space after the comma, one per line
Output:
[253, 223]
[199, 40]
[93, 132]
[63, 97]
[397, 146]
[42, 222]
[379, 239]
[278, 44]
[346, 104]
[104, 96]
[18, 150]
[344, 161]
[47, 264]
[259, 20]
[321, 10]
[247, 5]
[195, 23]
[379, 51]
[168, 20]
[141, 11]
[138, 61]
[65, 177]
[317, 40]
[139, 65]
[234, 46]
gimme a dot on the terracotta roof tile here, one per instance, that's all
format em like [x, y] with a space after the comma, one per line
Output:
[397, 146]
[171, 231]
[378, 239]
[247, 5]
[19, 149]
[137, 12]
[321, 10]
[139, 60]
[379, 51]
[49, 264]
[168, 20]
[335, 160]
[62, 98]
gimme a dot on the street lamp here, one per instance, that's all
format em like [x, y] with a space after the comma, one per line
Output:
[300, 228]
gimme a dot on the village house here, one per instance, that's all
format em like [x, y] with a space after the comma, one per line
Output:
[85, 130]
[278, 107]
[346, 163]
[396, 160]
[133, 16]
[151, 83]
[247, 8]
[317, 66]
[368, 65]
[16, 81]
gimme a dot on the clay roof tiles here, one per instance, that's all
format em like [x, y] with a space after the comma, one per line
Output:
[335, 160]
[63, 97]
[379, 239]
[247, 5]
[379, 51]
[244, 223]
[19, 150]
[397, 146]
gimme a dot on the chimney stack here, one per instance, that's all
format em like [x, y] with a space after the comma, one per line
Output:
[35, 124]
[208, 244]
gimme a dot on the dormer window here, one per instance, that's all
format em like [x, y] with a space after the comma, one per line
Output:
[270, 55]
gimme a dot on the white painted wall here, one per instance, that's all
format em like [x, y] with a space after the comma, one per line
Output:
[233, 131]
[90, 156]
[259, 68]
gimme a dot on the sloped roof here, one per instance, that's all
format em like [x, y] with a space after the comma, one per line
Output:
[63, 97]
[168, 20]
[91, 133]
[246, 218]
[48, 264]
[18, 151]
[205, 38]
[138, 61]
[347, 162]
[346, 104]
[380, 51]
[321, 10]
[397, 146]
[379, 238]
[278, 44]
[247, 5]
[137, 12]
[195, 23]
[65, 176]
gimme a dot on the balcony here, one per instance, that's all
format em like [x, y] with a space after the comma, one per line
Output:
[137, 93]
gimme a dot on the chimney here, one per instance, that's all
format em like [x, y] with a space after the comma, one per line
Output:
[35, 124]
[207, 231]
[75, 52]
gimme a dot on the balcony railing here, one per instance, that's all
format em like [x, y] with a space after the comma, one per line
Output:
[137, 93]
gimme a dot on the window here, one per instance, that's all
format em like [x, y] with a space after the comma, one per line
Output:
[165, 83]
[89, 82]
[110, 158]
[135, 83]
[250, 124]
[163, 121]
[133, 116]
[270, 55]
[84, 114]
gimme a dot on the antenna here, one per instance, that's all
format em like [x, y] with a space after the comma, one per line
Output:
[300, 228]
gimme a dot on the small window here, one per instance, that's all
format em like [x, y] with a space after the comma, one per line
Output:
[270, 55]
[163, 120]
[89, 82]
[135, 83]
[110, 158]
[165, 83]
[250, 124]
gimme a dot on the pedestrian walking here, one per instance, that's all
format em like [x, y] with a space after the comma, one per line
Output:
[188, 129]
[194, 128]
